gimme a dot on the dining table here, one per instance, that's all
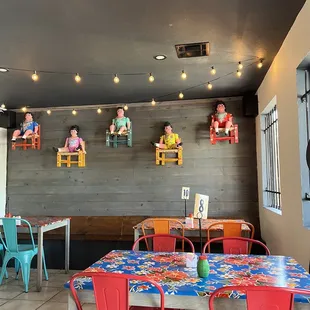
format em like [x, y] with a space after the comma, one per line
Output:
[182, 286]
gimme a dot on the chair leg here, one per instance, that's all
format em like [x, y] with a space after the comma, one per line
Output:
[17, 267]
[44, 266]
[26, 274]
[3, 269]
[2, 256]
[115, 141]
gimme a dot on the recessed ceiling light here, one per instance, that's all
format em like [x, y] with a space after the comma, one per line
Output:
[160, 57]
[3, 70]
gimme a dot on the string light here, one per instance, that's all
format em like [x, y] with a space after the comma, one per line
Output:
[260, 64]
[240, 65]
[181, 96]
[49, 112]
[153, 102]
[151, 78]
[99, 111]
[77, 78]
[2, 106]
[210, 85]
[126, 107]
[116, 79]
[35, 77]
[183, 75]
[213, 71]
[24, 109]
[74, 112]
[238, 73]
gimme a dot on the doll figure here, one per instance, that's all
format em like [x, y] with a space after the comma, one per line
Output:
[72, 144]
[27, 127]
[169, 140]
[221, 119]
[120, 123]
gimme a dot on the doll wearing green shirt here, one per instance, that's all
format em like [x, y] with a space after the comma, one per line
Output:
[120, 123]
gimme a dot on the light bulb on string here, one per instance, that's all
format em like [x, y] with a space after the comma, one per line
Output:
[35, 77]
[151, 78]
[210, 85]
[181, 96]
[183, 75]
[24, 109]
[116, 79]
[213, 71]
[238, 73]
[126, 107]
[260, 64]
[77, 78]
[99, 111]
[74, 112]
[2, 106]
[240, 65]
[153, 102]
[49, 112]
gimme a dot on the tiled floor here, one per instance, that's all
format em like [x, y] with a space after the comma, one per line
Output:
[52, 297]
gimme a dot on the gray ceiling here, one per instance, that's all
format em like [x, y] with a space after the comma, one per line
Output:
[101, 36]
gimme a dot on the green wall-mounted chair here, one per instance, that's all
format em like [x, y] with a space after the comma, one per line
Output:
[23, 253]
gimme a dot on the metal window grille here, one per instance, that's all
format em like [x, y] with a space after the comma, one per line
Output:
[272, 166]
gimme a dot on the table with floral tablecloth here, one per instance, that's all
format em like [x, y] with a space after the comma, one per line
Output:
[170, 271]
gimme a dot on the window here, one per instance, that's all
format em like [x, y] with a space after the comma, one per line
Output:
[270, 154]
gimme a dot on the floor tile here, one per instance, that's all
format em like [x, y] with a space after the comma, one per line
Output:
[45, 294]
[61, 296]
[10, 294]
[3, 301]
[53, 305]
[21, 304]
[88, 307]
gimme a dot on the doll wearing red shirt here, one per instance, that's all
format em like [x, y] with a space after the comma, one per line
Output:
[221, 119]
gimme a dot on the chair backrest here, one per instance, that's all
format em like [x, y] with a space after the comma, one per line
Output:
[263, 297]
[10, 233]
[162, 226]
[231, 229]
[236, 245]
[112, 289]
[164, 242]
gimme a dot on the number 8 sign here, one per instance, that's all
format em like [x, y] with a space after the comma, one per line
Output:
[201, 206]
[185, 193]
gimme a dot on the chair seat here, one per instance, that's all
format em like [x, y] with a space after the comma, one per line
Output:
[169, 150]
[27, 248]
[28, 137]
[68, 153]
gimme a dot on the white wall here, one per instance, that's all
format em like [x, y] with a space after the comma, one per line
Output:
[285, 234]
[3, 169]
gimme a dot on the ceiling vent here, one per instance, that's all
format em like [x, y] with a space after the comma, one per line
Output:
[193, 50]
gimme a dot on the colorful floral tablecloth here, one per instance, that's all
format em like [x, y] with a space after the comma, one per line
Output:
[205, 223]
[170, 271]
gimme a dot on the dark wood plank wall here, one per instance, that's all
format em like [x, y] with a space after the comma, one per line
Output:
[125, 182]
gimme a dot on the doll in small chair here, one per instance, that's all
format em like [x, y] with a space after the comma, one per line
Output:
[120, 123]
[73, 143]
[221, 119]
[169, 140]
[27, 127]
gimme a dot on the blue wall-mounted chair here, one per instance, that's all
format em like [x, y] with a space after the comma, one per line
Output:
[23, 253]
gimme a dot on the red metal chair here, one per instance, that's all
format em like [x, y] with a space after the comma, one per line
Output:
[111, 290]
[236, 245]
[263, 297]
[164, 242]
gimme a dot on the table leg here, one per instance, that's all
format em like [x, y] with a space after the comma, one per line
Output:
[39, 259]
[67, 246]
[136, 237]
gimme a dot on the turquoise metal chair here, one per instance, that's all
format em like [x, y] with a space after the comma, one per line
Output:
[23, 253]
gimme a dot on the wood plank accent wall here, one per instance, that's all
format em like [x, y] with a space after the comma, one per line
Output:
[125, 181]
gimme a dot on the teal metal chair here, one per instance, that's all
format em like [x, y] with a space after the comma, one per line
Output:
[114, 139]
[23, 253]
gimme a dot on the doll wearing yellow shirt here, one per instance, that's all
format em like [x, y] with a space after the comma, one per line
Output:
[169, 140]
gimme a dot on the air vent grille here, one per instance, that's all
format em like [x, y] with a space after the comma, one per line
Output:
[193, 50]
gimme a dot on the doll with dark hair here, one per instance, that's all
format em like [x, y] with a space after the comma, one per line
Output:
[221, 119]
[27, 127]
[169, 140]
[73, 143]
[120, 123]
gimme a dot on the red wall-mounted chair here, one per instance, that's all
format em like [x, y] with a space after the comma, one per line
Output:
[236, 245]
[262, 297]
[164, 242]
[111, 290]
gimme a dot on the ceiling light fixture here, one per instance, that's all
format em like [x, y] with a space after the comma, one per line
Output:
[153, 102]
[210, 85]
[74, 112]
[160, 57]
[151, 78]
[24, 109]
[2, 106]
[77, 78]
[49, 112]
[99, 111]
[116, 79]
[35, 77]
[260, 64]
[238, 73]
[3, 70]
[213, 71]
[183, 75]
[126, 107]
[181, 96]
[240, 65]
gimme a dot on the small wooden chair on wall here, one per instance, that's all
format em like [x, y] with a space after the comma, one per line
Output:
[162, 226]
[80, 161]
[124, 138]
[32, 141]
[231, 229]
[233, 136]
[162, 159]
